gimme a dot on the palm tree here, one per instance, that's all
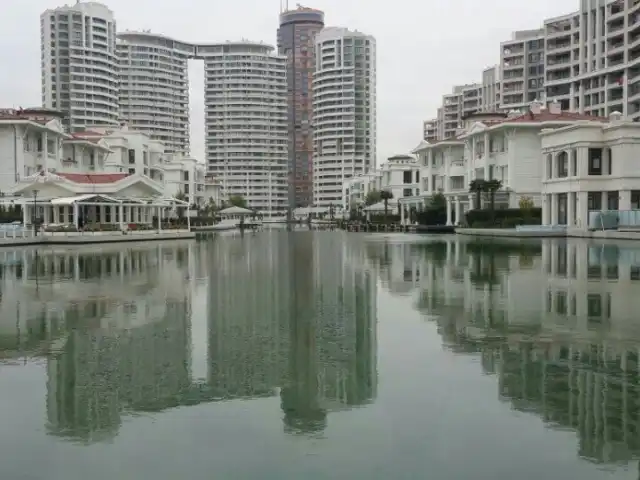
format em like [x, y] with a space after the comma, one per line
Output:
[386, 195]
[478, 187]
[492, 186]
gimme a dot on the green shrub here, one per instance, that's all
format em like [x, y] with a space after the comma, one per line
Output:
[504, 218]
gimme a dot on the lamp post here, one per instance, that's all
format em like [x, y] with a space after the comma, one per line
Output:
[33, 214]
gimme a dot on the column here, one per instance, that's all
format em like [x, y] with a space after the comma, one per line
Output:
[45, 151]
[103, 213]
[46, 214]
[486, 156]
[159, 219]
[56, 214]
[571, 196]
[121, 216]
[624, 200]
[554, 209]
[75, 215]
[604, 204]
[546, 210]
[582, 210]
[25, 214]
[448, 210]
[457, 199]
[401, 213]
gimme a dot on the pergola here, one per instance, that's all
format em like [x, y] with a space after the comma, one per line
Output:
[101, 209]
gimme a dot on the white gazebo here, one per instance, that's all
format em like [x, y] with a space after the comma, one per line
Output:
[235, 212]
[392, 205]
[75, 199]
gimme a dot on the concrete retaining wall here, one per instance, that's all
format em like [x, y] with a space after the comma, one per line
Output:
[116, 237]
[572, 233]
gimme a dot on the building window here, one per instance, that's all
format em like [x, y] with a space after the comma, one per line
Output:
[406, 176]
[132, 156]
[595, 161]
[406, 192]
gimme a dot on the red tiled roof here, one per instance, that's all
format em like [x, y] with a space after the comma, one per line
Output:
[93, 177]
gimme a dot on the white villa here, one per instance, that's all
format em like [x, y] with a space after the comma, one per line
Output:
[489, 146]
[590, 166]
[105, 175]
[400, 175]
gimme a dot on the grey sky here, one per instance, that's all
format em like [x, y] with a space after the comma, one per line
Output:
[424, 47]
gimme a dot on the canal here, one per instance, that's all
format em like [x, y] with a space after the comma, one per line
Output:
[321, 355]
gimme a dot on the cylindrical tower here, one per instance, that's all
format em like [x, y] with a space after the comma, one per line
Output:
[344, 106]
[296, 34]
[154, 87]
[246, 122]
[79, 70]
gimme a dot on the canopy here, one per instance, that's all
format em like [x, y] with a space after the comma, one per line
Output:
[379, 207]
[236, 211]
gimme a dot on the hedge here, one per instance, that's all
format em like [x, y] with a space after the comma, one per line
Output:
[503, 218]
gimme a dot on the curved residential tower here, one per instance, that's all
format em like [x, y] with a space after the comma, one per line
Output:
[79, 69]
[344, 106]
[154, 87]
[295, 40]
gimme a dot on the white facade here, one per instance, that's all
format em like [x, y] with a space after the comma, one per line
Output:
[79, 68]
[246, 122]
[522, 69]
[344, 111]
[490, 147]
[430, 130]
[490, 96]
[154, 87]
[29, 143]
[399, 175]
[134, 152]
[590, 167]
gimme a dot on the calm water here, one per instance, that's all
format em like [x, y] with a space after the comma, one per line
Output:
[321, 356]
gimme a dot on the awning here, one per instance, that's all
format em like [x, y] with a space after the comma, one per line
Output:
[84, 198]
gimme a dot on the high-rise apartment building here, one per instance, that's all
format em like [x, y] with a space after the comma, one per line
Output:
[296, 34]
[78, 62]
[490, 96]
[522, 66]
[154, 87]
[344, 106]
[430, 130]
[593, 58]
[246, 122]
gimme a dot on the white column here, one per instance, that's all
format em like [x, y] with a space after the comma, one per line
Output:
[75, 214]
[604, 197]
[159, 219]
[458, 210]
[624, 200]
[401, 213]
[46, 214]
[486, 156]
[570, 209]
[56, 214]
[554, 209]
[25, 214]
[546, 209]
[121, 216]
[448, 210]
[582, 210]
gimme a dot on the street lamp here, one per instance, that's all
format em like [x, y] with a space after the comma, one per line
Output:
[33, 214]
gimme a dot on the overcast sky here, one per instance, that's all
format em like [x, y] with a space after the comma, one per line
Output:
[424, 46]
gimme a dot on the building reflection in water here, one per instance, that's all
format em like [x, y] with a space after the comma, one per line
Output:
[293, 312]
[289, 315]
[556, 321]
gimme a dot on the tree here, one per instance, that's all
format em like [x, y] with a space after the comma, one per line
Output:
[492, 186]
[237, 201]
[437, 202]
[478, 187]
[386, 195]
[373, 197]
[526, 203]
